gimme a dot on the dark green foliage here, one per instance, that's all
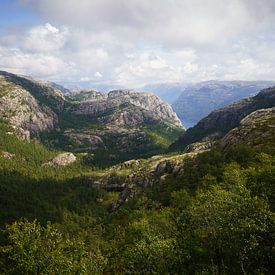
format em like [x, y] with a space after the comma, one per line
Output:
[33, 249]
[216, 218]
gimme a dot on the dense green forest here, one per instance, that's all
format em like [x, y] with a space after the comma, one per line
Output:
[215, 218]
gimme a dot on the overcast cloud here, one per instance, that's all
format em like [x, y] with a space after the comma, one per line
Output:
[137, 42]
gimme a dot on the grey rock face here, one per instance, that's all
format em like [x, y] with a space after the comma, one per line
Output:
[122, 123]
[85, 95]
[82, 138]
[127, 107]
[43, 91]
[62, 160]
[199, 146]
[255, 129]
[24, 112]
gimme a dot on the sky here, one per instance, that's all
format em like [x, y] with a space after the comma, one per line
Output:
[132, 43]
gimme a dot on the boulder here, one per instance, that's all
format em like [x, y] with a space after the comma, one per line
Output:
[63, 159]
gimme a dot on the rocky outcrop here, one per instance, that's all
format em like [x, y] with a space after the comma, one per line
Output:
[24, 112]
[85, 138]
[86, 95]
[110, 138]
[199, 146]
[227, 118]
[6, 155]
[62, 160]
[256, 129]
[44, 92]
[127, 107]
[125, 195]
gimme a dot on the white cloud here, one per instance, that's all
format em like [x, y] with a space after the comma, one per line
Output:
[45, 38]
[36, 64]
[172, 22]
[140, 42]
[98, 75]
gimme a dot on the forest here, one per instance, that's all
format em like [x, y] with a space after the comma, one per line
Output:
[216, 218]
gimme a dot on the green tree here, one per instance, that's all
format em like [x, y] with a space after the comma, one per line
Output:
[226, 230]
[34, 249]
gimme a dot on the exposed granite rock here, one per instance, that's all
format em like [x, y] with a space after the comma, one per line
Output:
[46, 93]
[130, 163]
[123, 123]
[199, 146]
[167, 166]
[24, 113]
[84, 138]
[127, 107]
[22, 134]
[63, 159]
[86, 95]
[124, 196]
[256, 129]
[6, 155]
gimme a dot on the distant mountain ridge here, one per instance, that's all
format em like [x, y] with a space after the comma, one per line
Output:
[222, 120]
[192, 102]
[198, 100]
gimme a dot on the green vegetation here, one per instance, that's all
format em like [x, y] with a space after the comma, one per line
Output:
[215, 218]
[5, 87]
[163, 134]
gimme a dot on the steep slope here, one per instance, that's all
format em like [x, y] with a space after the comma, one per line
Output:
[192, 102]
[120, 125]
[125, 107]
[23, 111]
[222, 120]
[256, 130]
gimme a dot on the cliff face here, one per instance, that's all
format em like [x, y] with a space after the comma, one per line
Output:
[126, 107]
[23, 111]
[223, 120]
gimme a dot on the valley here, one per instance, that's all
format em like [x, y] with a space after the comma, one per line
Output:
[111, 183]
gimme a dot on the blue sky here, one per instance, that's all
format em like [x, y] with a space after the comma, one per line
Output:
[13, 14]
[136, 42]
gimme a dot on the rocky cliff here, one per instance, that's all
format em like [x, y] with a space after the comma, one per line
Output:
[257, 130]
[23, 111]
[124, 107]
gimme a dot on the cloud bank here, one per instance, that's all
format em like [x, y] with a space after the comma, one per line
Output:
[137, 42]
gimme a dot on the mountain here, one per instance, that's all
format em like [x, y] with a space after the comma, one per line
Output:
[196, 209]
[87, 84]
[198, 100]
[220, 121]
[120, 124]
[256, 130]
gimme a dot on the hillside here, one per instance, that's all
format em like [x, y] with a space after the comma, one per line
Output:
[121, 125]
[178, 213]
[120, 219]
